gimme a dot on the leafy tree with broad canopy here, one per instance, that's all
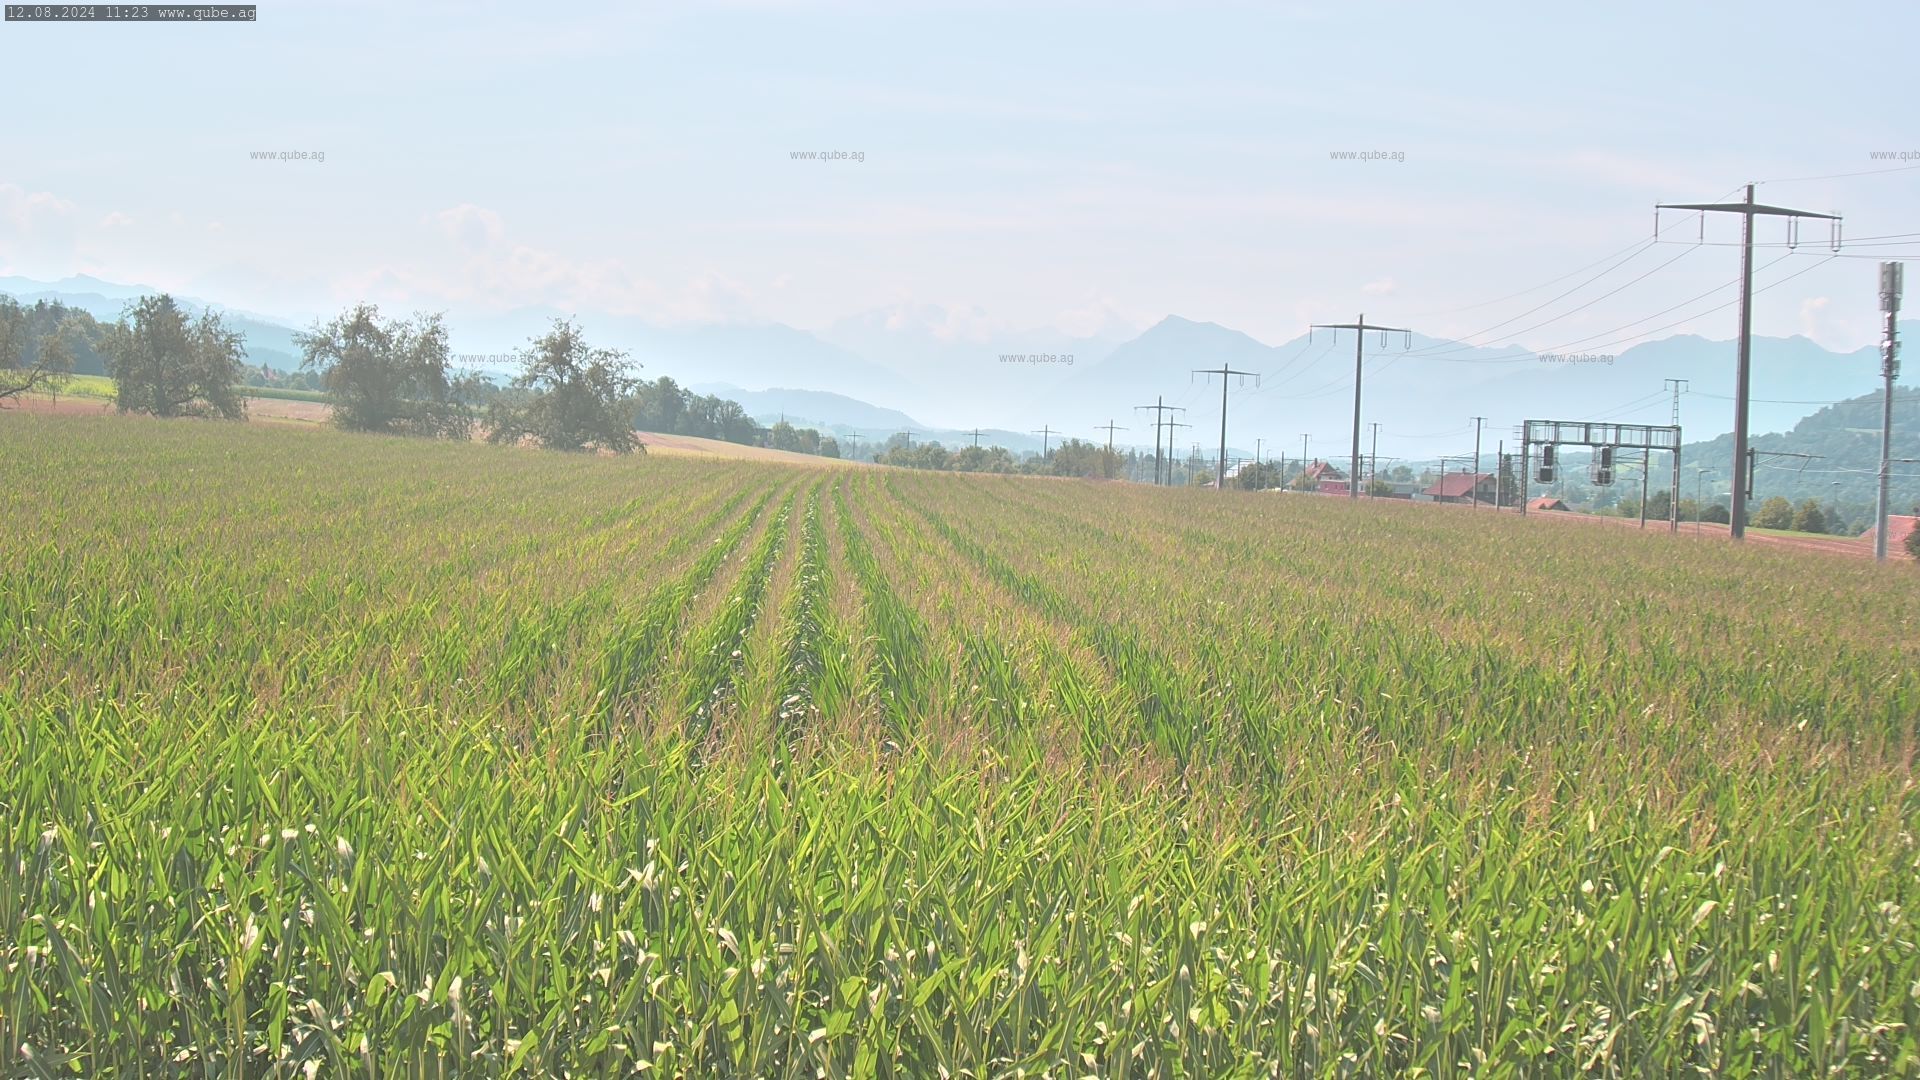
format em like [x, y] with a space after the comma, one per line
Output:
[387, 375]
[568, 396]
[1775, 513]
[1808, 517]
[22, 367]
[167, 363]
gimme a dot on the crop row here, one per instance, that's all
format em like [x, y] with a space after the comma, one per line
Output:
[345, 753]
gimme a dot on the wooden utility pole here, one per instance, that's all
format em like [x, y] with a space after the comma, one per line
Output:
[1109, 428]
[1046, 440]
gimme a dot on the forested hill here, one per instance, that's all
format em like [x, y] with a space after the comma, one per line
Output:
[1844, 438]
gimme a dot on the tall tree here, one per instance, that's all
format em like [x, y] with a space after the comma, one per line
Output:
[1258, 476]
[1809, 517]
[56, 360]
[1510, 493]
[22, 367]
[1775, 513]
[166, 363]
[568, 396]
[387, 375]
[1660, 506]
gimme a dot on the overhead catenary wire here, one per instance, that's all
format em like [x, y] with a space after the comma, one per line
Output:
[1637, 244]
[1614, 330]
[1721, 307]
[1532, 288]
[1465, 346]
[1583, 342]
[1639, 250]
[1837, 176]
[1636, 405]
[1874, 399]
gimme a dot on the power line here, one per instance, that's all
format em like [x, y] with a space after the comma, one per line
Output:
[1160, 409]
[1360, 327]
[1582, 341]
[1271, 380]
[1225, 372]
[1461, 430]
[1636, 246]
[1839, 176]
[1555, 281]
[1872, 399]
[1463, 339]
[1687, 319]
[1464, 346]
[1743, 377]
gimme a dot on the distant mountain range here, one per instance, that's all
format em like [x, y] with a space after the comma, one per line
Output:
[1424, 393]
[812, 408]
[268, 342]
[936, 372]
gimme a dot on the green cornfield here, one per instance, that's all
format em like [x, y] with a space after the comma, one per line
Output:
[330, 755]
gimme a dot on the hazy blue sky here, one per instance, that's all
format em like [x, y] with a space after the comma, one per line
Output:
[1085, 167]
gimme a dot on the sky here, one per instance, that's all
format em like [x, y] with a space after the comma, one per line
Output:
[1070, 168]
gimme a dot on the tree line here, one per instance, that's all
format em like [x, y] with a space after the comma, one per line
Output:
[381, 375]
[40, 346]
[1074, 457]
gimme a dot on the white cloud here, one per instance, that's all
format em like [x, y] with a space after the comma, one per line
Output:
[26, 211]
[1383, 287]
[37, 231]
[713, 297]
[471, 226]
[1100, 316]
[116, 220]
[1812, 310]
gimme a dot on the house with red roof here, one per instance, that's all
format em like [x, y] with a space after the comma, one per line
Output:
[1460, 487]
[1547, 502]
[1899, 527]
